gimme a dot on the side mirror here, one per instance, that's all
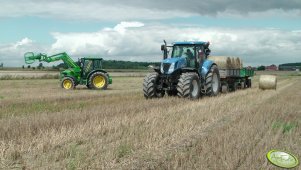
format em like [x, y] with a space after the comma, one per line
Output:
[207, 51]
[163, 47]
[164, 50]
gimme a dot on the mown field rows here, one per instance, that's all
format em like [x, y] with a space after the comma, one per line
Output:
[19, 75]
[45, 127]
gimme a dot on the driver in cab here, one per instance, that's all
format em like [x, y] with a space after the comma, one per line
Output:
[190, 57]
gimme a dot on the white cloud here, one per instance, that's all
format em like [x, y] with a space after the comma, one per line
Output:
[12, 54]
[25, 41]
[142, 43]
[121, 28]
[139, 42]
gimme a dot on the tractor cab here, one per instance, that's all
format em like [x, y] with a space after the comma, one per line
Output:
[189, 55]
[90, 64]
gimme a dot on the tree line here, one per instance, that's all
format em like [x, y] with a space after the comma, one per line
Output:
[106, 64]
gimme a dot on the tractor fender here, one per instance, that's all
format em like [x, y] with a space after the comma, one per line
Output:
[157, 70]
[206, 67]
[98, 70]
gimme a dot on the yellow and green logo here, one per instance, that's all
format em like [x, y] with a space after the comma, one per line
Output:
[282, 159]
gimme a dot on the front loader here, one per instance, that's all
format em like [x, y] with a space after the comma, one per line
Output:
[88, 71]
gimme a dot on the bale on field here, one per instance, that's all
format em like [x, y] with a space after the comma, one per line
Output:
[267, 82]
[222, 62]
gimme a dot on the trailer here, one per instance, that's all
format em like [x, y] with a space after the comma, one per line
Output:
[233, 79]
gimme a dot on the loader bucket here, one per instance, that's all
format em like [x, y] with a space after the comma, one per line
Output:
[29, 57]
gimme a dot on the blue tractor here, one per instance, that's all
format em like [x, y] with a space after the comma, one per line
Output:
[185, 72]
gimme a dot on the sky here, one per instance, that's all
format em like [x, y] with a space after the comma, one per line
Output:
[260, 32]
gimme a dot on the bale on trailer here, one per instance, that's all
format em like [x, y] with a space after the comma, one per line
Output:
[238, 63]
[267, 82]
[233, 63]
[222, 62]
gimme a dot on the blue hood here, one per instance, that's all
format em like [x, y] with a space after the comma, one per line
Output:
[179, 62]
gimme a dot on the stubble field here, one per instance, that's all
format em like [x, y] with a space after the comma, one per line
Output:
[45, 127]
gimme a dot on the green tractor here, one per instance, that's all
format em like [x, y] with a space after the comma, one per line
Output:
[88, 71]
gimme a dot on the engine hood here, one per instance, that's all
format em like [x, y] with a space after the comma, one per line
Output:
[170, 65]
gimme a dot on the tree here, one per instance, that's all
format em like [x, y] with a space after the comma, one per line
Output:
[23, 67]
[40, 66]
[261, 68]
[28, 66]
[1, 65]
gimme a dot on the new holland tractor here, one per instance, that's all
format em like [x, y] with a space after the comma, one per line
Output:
[87, 71]
[188, 73]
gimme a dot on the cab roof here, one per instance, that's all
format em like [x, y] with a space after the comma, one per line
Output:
[92, 58]
[190, 43]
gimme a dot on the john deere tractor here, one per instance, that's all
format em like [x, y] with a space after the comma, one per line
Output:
[185, 71]
[87, 71]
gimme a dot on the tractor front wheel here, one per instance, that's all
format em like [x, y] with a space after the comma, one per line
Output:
[68, 83]
[98, 80]
[189, 86]
[213, 82]
[150, 86]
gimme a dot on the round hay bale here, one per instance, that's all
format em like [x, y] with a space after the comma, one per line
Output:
[223, 62]
[233, 63]
[238, 62]
[241, 63]
[267, 82]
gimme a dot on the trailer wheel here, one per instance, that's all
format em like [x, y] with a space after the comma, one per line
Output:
[234, 86]
[225, 88]
[149, 86]
[249, 83]
[68, 83]
[189, 86]
[213, 81]
[242, 85]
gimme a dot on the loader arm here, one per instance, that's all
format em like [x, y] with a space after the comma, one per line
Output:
[31, 57]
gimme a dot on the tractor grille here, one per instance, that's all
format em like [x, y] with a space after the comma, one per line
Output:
[166, 67]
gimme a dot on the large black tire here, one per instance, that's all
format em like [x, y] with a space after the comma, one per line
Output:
[68, 83]
[212, 82]
[150, 86]
[249, 83]
[99, 81]
[189, 86]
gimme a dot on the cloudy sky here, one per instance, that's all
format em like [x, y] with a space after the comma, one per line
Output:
[260, 32]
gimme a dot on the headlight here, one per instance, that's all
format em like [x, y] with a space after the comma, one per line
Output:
[161, 68]
[171, 68]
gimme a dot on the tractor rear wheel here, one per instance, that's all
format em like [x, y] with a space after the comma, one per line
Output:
[189, 86]
[213, 81]
[99, 81]
[68, 83]
[149, 86]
